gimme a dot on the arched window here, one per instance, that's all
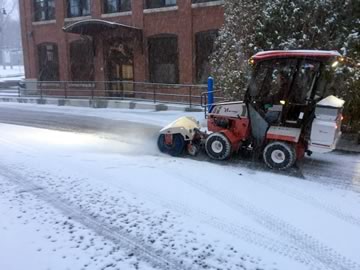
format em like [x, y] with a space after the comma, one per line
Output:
[163, 59]
[82, 60]
[48, 62]
[204, 47]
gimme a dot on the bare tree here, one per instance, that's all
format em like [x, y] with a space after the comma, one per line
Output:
[7, 7]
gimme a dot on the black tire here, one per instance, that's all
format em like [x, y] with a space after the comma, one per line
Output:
[193, 149]
[175, 149]
[218, 147]
[279, 155]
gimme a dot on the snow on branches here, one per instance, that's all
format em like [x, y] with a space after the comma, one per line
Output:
[253, 26]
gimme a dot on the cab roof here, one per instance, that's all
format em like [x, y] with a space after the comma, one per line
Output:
[308, 54]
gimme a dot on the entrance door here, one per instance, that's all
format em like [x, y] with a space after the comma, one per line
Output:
[120, 71]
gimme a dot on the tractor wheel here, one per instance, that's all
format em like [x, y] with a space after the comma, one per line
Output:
[218, 147]
[279, 155]
[193, 149]
[175, 149]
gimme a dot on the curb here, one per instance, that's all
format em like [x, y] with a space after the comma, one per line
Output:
[348, 146]
[103, 103]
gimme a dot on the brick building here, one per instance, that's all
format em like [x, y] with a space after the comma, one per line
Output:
[163, 41]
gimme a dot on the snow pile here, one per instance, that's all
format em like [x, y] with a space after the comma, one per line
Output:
[15, 71]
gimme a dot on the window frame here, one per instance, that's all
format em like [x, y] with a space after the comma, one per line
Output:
[38, 10]
[119, 6]
[202, 1]
[149, 4]
[153, 61]
[81, 6]
[90, 64]
[43, 64]
[204, 35]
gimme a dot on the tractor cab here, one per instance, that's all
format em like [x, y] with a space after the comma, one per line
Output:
[286, 85]
[283, 92]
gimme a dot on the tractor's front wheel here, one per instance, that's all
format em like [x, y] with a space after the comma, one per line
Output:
[218, 147]
[279, 155]
[175, 148]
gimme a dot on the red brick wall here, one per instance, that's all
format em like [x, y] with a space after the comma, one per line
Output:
[184, 22]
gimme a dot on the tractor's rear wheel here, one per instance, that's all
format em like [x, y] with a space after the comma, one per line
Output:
[218, 146]
[176, 148]
[279, 155]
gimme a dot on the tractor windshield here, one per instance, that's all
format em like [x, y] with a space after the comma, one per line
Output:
[304, 82]
[289, 80]
[272, 80]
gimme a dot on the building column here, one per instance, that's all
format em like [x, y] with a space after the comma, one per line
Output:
[185, 42]
[96, 8]
[99, 67]
[63, 46]
[25, 39]
[28, 39]
[139, 49]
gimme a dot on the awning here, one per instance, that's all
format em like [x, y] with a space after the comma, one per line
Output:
[94, 27]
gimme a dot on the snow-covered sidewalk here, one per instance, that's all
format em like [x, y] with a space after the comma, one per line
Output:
[11, 72]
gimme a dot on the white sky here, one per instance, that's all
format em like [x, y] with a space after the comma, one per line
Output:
[9, 5]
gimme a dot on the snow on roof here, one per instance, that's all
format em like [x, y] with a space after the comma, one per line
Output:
[296, 53]
[331, 101]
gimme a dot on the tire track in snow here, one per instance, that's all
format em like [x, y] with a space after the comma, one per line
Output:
[244, 233]
[328, 257]
[330, 209]
[308, 171]
[241, 232]
[155, 257]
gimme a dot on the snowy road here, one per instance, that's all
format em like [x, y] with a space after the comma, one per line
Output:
[85, 190]
[339, 169]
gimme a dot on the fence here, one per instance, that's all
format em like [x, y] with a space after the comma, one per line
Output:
[189, 94]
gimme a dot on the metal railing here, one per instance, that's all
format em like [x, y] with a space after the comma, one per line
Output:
[188, 94]
[218, 98]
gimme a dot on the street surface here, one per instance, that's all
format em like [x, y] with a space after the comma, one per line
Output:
[82, 188]
[340, 169]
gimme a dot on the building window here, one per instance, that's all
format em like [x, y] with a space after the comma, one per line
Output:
[44, 10]
[160, 3]
[112, 6]
[48, 62]
[82, 60]
[204, 47]
[77, 8]
[163, 59]
[202, 1]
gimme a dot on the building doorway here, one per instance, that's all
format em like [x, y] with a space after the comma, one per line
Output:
[119, 69]
[82, 60]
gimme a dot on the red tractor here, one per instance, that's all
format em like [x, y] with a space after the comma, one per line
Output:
[286, 113]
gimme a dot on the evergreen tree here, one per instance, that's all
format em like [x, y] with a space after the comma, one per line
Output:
[253, 26]
[232, 49]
